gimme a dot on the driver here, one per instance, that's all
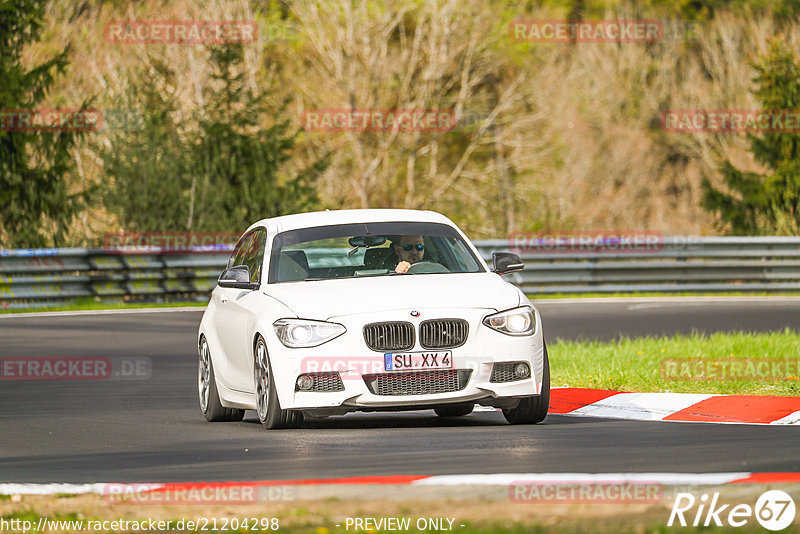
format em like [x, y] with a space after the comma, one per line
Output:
[409, 249]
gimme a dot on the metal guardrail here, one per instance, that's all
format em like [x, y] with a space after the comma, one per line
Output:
[671, 264]
[674, 264]
[29, 276]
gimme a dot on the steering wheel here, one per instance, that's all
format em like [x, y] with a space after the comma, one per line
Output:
[427, 267]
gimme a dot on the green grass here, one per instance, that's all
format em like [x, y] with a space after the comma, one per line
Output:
[585, 527]
[576, 527]
[654, 363]
[618, 524]
[499, 516]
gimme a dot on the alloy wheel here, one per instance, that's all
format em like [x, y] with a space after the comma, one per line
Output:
[204, 375]
[262, 379]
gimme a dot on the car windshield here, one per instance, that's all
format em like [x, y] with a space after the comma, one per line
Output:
[369, 249]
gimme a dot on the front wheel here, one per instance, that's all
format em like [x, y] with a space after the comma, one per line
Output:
[210, 405]
[532, 410]
[268, 406]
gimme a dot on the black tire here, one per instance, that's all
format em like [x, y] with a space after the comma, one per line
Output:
[268, 407]
[210, 405]
[532, 410]
[454, 410]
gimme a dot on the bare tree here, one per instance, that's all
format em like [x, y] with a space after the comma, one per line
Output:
[440, 55]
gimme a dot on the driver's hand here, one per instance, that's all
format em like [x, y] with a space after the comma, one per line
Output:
[402, 267]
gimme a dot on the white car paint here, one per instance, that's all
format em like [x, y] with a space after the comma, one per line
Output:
[235, 317]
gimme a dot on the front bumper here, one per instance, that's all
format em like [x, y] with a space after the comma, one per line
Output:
[358, 366]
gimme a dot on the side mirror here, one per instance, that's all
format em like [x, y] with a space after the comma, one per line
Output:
[506, 262]
[237, 278]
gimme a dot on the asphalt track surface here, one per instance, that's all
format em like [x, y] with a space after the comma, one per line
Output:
[152, 430]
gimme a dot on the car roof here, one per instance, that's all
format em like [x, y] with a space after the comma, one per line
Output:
[332, 217]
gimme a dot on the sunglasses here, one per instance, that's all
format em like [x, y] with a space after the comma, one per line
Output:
[409, 248]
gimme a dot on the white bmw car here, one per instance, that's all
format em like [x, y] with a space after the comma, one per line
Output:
[326, 313]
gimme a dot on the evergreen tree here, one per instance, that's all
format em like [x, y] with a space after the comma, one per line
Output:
[145, 161]
[36, 206]
[765, 204]
[241, 159]
[219, 174]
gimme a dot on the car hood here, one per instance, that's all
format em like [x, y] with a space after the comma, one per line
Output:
[324, 299]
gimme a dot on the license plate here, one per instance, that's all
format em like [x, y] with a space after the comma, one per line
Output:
[404, 361]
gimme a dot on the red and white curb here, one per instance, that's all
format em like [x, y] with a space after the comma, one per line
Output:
[686, 407]
[496, 479]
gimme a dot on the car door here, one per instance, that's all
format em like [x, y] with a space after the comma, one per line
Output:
[224, 321]
[236, 315]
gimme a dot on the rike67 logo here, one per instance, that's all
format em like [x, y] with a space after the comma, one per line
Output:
[774, 510]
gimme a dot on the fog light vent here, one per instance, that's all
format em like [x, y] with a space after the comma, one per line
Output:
[319, 382]
[510, 371]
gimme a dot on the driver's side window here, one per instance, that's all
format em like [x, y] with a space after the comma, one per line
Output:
[237, 257]
[254, 255]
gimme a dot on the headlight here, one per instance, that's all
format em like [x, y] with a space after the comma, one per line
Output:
[516, 322]
[298, 333]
